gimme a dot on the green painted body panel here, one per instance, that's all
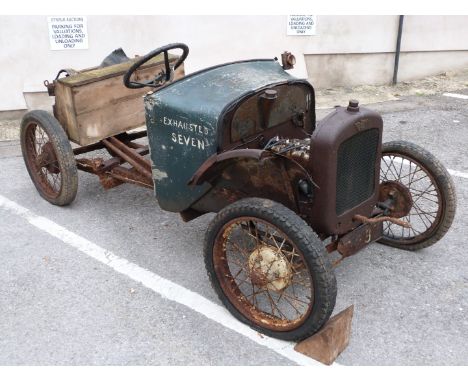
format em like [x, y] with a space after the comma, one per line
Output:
[183, 122]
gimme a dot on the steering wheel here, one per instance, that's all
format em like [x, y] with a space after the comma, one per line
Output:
[165, 75]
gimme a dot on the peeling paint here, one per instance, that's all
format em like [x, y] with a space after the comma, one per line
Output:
[158, 174]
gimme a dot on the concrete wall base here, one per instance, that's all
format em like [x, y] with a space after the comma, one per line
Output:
[352, 69]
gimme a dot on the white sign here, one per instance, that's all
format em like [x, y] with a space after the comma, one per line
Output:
[301, 25]
[68, 32]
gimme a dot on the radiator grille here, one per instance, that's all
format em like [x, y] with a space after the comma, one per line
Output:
[356, 170]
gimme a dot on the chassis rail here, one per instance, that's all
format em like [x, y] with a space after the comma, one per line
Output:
[126, 165]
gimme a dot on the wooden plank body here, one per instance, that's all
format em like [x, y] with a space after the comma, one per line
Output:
[94, 104]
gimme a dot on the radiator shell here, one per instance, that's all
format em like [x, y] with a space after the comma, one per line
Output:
[347, 175]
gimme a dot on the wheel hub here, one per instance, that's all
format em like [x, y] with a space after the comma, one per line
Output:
[399, 196]
[269, 268]
[48, 159]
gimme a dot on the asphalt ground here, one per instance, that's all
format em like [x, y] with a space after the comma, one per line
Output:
[62, 307]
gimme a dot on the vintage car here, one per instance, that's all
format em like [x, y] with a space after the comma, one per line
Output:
[241, 140]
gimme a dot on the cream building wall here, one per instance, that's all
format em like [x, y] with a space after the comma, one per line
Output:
[347, 50]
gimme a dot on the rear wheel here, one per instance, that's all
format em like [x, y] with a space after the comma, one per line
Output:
[270, 269]
[49, 157]
[426, 194]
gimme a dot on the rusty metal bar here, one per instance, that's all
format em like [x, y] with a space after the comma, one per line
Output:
[97, 165]
[130, 176]
[143, 150]
[132, 153]
[136, 135]
[134, 145]
[381, 219]
[332, 246]
[126, 137]
[129, 155]
[87, 165]
[88, 148]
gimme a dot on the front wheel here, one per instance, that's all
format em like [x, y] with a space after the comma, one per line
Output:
[425, 191]
[270, 269]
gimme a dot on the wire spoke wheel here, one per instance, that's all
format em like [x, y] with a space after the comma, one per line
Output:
[270, 269]
[431, 196]
[49, 157]
[42, 160]
[263, 274]
[426, 198]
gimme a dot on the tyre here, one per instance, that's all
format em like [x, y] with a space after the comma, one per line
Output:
[430, 195]
[49, 157]
[270, 269]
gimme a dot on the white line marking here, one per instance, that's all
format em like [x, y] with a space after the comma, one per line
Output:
[165, 288]
[455, 95]
[458, 173]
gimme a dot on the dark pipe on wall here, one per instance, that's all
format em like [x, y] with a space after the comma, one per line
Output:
[397, 51]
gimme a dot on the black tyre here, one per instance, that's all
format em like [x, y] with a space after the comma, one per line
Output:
[49, 157]
[270, 269]
[431, 193]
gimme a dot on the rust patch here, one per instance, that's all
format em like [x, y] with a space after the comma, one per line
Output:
[358, 238]
[396, 198]
[380, 219]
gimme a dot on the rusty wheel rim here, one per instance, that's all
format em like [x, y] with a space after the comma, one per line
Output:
[427, 203]
[263, 274]
[42, 160]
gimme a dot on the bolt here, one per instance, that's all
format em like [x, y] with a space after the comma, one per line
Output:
[353, 105]
[271, 94]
